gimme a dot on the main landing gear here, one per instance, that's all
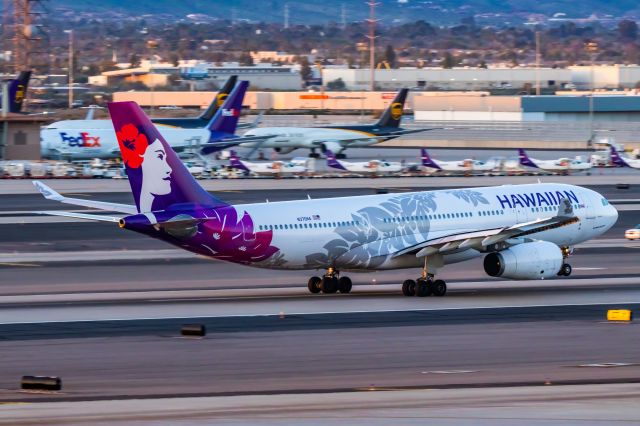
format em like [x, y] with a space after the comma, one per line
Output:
[565, 269]
[424, 286]
[330, 283]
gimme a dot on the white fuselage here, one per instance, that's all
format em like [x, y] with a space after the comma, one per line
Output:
[309, 137]
[87, 139]
[364, 233]
[468, 165]
[275, 168]
[562, 165]
[371, 167]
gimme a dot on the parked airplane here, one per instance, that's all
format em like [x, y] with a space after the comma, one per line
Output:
[103, 143]
[89, 123]
[17, 91]
[335, 138]
[363, 167]
[561, 165]
[620, 161]
[524, 231]
[268, 168]
[466, 166]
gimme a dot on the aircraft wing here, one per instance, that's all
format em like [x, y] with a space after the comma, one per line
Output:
[483, 238]
[210, 147]
[409, 131]
[50, 194]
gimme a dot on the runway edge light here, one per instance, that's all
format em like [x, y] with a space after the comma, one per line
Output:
[619, 315]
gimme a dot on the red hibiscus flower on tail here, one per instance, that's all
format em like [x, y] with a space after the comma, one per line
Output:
[133, 144]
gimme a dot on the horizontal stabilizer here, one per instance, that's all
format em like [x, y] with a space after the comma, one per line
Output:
[86, 216]
[51, 194]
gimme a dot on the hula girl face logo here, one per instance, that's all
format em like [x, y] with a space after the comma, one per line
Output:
[151, 159]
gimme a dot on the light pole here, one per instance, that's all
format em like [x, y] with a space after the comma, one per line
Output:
[537, 63]
[70, 32]
[592, 48]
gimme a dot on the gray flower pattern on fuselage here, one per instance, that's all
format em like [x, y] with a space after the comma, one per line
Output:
[380, 231]
[470, 196]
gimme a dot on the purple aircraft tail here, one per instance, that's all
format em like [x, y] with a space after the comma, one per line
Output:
[524, 159]
[332, 161]
[157, 177]
[18, 91]
[427, 161]
[617, 159]
[235, 162]
[226, 118]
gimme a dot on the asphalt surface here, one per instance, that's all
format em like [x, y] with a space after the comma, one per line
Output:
[398, 354]
[586, 405]
[110, 328]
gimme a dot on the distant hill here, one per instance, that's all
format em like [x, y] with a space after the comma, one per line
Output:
[320, 12]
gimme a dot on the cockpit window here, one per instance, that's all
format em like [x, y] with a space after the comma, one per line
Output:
[605, 202]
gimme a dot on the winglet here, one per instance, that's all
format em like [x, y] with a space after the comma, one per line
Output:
[46, 191]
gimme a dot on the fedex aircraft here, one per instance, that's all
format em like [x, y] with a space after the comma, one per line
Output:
[335, 138]
[102, 143]
[268, 168]
[17, 91]
[363, 167]
[467, 166]
[561, 165]
[523, 231]
[620, 161]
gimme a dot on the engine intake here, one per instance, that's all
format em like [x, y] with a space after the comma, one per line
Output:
[527, 261]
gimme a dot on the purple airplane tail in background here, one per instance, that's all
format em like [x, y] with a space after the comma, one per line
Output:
[17, 91]
[332, 161]
[226, 118]
[524, 159]
[427, 161]
[235, 162]
[617, 159]
[157, 177]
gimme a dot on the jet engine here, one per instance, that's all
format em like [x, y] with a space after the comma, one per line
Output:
[526, 261]
[286, 150]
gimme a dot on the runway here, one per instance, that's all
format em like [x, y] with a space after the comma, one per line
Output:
[102, 309]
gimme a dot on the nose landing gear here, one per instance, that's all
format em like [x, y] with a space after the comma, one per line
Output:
[565, 269]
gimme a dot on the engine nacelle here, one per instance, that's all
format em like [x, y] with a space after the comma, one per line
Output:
[286, 150]
[527, 261]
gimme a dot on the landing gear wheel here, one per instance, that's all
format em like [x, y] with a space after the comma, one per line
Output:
[314, 284]
[439, 288]
[344, 285]
[565, 270]
[409, 288]
[314, 155]
[424, 287]
[329, 285]
[341, 156]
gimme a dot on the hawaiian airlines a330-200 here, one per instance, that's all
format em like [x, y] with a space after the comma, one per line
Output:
[523, 231]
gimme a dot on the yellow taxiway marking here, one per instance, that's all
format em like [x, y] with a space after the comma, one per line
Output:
[19, 264]
[78, 193]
